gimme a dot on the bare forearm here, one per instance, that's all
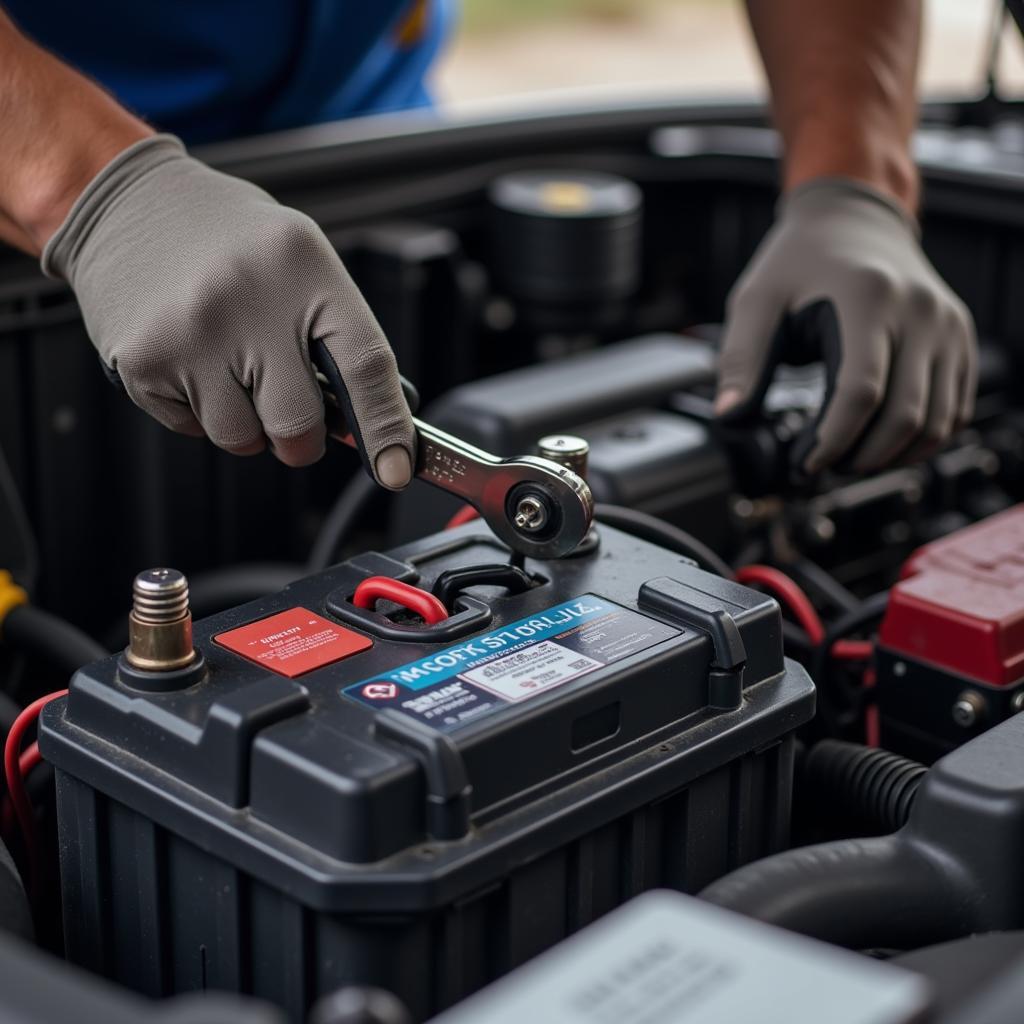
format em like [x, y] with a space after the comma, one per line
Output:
[12, 234]
[843, 80]
[58, 131]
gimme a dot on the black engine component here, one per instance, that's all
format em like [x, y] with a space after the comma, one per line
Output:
[566, 247]
[951, 871]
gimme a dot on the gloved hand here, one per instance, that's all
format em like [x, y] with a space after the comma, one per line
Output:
[204, 294]
[841, 276]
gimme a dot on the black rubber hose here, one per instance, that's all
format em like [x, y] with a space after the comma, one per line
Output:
[453, 582]
[15, 913]
[218, 589]
[657, 531]
[869, 789]
[19, 546]
[346, 511]
[50, 638]
[823, 585]
[867, 613]
[877, 893]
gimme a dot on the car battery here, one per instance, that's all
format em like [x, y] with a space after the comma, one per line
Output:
[332, 794]
[950, 658]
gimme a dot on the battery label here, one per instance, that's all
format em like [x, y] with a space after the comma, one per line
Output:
[521, 675]
[515, 663]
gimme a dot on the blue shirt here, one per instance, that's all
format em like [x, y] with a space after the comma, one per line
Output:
[216, 69]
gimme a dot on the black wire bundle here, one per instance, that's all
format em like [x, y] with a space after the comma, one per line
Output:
[657, 531]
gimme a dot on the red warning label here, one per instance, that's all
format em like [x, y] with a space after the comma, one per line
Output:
[293, 642]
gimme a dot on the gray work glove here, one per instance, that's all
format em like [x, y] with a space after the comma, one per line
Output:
[204, 294]
[841, 277]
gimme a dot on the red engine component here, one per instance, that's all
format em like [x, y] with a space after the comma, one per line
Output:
[960, 602]
[950, 657]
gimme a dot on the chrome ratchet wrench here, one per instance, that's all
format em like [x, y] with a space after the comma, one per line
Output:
[537, 507]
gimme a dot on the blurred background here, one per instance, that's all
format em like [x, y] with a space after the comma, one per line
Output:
[540, 48]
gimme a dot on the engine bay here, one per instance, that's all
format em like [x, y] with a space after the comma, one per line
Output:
[795, 701]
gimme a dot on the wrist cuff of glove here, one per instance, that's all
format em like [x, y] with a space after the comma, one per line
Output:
[61, 252]
[822, 192]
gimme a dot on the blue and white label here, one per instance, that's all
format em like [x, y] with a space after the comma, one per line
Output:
[524, 659]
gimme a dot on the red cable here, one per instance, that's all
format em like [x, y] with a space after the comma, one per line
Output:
[466, 514]
[799, 604]
[377, 588]
[852, 650]
[872, 718]
[13, 771]
[790, 594]
[29, 759]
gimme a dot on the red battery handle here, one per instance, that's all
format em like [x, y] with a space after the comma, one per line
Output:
[376, 588]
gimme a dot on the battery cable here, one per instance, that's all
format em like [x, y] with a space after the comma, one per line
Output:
[16, 766]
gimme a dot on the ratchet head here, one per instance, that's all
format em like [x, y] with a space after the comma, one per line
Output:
[538, 508]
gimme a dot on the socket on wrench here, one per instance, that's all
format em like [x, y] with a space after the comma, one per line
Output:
[537, 507]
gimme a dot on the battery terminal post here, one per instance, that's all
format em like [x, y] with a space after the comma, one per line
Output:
[160, 622]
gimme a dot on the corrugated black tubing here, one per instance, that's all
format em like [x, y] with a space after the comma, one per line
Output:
[868, 785]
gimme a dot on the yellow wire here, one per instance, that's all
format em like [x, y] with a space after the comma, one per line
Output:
[11, 595]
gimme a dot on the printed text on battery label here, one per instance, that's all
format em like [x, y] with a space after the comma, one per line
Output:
[526, 673]
[529, 657]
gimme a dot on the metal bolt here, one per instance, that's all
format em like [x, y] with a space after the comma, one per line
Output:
[160, 623]
[743, 509]
[821, 529]
[899, 669]
[969, 709]
[1017, 702]
[160, 595]
[567, 450]
[531, 514]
